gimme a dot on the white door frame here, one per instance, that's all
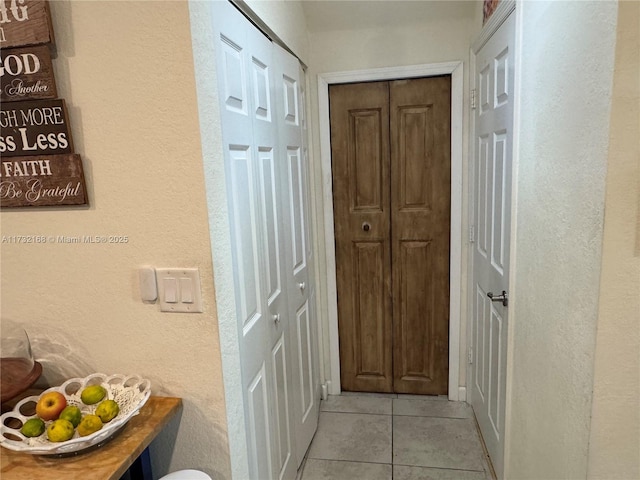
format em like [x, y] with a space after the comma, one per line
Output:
[455, 69]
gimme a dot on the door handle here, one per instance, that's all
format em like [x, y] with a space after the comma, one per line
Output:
[276, 318]
[366, 227]
[499, 298]
[302, 286]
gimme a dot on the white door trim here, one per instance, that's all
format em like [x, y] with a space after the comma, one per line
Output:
[455, 282]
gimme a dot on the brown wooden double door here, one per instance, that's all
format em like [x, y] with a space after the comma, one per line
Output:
[391, 157]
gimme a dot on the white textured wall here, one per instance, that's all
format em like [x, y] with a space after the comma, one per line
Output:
[372, 34]
[126, 71]
[614, 449]
[204, 52]
[566, 73]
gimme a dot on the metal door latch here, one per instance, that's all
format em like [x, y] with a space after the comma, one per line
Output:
[499, 298]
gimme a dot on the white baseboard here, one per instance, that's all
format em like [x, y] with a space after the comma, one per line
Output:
[462, 394]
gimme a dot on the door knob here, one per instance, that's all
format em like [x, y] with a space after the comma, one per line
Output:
[276, 318]
[499, 298]
[366, 227]
[302, 285]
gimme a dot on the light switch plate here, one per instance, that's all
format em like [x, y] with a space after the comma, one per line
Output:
[148, 288]
[184, 295]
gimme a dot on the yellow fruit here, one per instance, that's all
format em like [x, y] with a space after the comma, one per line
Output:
[107, 410]
[71, 413]
[93, 394]
[60, 430]
[33, 427]
[89, 424]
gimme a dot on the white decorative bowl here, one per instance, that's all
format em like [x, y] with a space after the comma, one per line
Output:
[130, 392]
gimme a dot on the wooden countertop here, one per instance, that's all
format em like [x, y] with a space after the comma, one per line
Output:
[108, 462]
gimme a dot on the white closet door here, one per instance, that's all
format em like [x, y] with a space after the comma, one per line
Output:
[299, 278]
[272, 188]
[255, 186]
[262, 114]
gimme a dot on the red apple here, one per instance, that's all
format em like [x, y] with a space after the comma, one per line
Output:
[50, 405]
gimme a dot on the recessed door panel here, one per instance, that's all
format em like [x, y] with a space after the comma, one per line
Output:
[296, 207]
[481, 308]
[368, 258]
[245, 223]
[420, 355]
[365, 160]
[260, 430]
[416, 155]
[261, 90]
[498, 201]
[501, 75]
[290, 88]
[303, 328]
[233, 74]
[283, 453]
[495, 357]
[269, 203]
[484, 89]
[483, 200]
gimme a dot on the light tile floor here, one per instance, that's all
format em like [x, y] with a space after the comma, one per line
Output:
[400, 437]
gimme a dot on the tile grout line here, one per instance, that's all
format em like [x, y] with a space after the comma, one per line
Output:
[435, 416]
[394, 414]
[392, 423]
[357, 413]
[439, 468]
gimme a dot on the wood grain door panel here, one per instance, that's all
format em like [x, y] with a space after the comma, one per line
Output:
[360, 156]
[420, 218]
[390, 144]
[369, 269]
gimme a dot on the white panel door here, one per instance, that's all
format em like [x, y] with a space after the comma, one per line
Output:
[257, 189]
[299, 278]
[493, 134]
[272, 188]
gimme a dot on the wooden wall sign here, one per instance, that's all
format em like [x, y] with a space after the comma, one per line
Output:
[34, 128]
[26, 74]
[44, 180]
[37, 165]
[24, 22]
